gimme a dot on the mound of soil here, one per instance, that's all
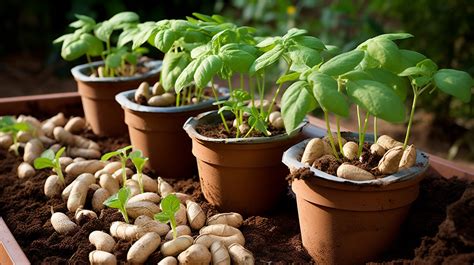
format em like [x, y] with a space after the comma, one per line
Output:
[438, 229]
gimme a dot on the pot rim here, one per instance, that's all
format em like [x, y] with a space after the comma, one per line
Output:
[190, 127]
[125, 100]
[421, 165]
[78, 72]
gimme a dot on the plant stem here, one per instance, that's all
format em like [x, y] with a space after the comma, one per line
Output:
[410, 121]
[59, 172]
[124, 174]
[178, 99]
[277, 92]
[15, 143]
[229, 82]
[339, 138]
[124, 214]
[358, 119]
[173, 226]
[140, 181]
[375, 129]
[362, 135]
[331, 140]
[89, 61]
[219, 106]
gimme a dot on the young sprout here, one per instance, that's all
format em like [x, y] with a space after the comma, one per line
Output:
[50, 160]
[122, 154]
[169, 206]
[119, 201]
[8, 124]
[139, 162]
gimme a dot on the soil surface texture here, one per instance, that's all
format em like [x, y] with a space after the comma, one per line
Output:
[438, 229]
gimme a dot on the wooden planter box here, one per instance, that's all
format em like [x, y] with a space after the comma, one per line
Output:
[70, 104]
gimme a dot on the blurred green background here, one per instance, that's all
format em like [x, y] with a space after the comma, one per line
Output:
[30, 64]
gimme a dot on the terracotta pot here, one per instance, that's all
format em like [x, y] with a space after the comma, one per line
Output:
[158, 133]
[244, 175]
[351, 222]
[98, 94]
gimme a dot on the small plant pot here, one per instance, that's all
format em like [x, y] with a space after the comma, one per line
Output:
[98, 94]
[351, 222]
[244, 175]
[158, 133]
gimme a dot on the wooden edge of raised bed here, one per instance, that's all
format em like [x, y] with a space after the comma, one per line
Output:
[10, 251]
[48, 104]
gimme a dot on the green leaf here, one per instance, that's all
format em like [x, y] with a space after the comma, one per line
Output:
[294, 32]
[145, 32]
[124, 17]
[296, 102]
[269, 42]
[113, 60]
[203, 17]
[326, 93]
[376, 98]
[455, 83]
[342, 63]
[428, 66]
[85, 19]
[200, 51]
[94, 45]
[210, 66]
[48, 153]
[411, 58]
[421, 81]
[165, 39]
[310, 42]
[21, 126]
[127, 36]
[303, 58]
[170, 204]
[398, 84]
[103, 31]
[288, 77]
[162, 217]
[173, 65]
[268, 58]
[385, 52]
[109, 155]
[124, 195]
[113, 202]
[356, 75]
[186, 77]
[60, 153]
[43, 162]
[73, 48]
[412, 71]
[395, 36]
[239, 61]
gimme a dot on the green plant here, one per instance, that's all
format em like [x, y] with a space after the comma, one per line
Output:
[89, 39]
[169, 206]
[139, 162]
[119, 201]
[50, 160]
[373, 78]
[123, 156]
[8, 124]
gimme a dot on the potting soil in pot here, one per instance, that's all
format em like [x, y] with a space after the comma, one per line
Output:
[274, 237]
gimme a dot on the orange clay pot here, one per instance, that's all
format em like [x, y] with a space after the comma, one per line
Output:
[351, 222]
[98, 96]
[158, 133]
[244, 175]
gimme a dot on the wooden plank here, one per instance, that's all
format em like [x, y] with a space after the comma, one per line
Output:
[10, 251]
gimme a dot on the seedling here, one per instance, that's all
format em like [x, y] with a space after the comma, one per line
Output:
[123, 156]
[119, 201]
[8, 124]
[169, 206]
[90, 37]
[139, 162]
[50, 160]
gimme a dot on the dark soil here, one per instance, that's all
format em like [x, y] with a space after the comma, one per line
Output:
[218, 131]
[438, 229]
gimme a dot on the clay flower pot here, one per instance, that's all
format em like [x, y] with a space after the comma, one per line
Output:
[158, 133]
[351, 222]
[244, 175]
[98, 96]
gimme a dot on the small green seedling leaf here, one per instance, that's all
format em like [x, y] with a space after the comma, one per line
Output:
[169, 206]
[455, 83]
[123, 156]
[50, 160]
[119, 201]
[139, 162]
[326, 93]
